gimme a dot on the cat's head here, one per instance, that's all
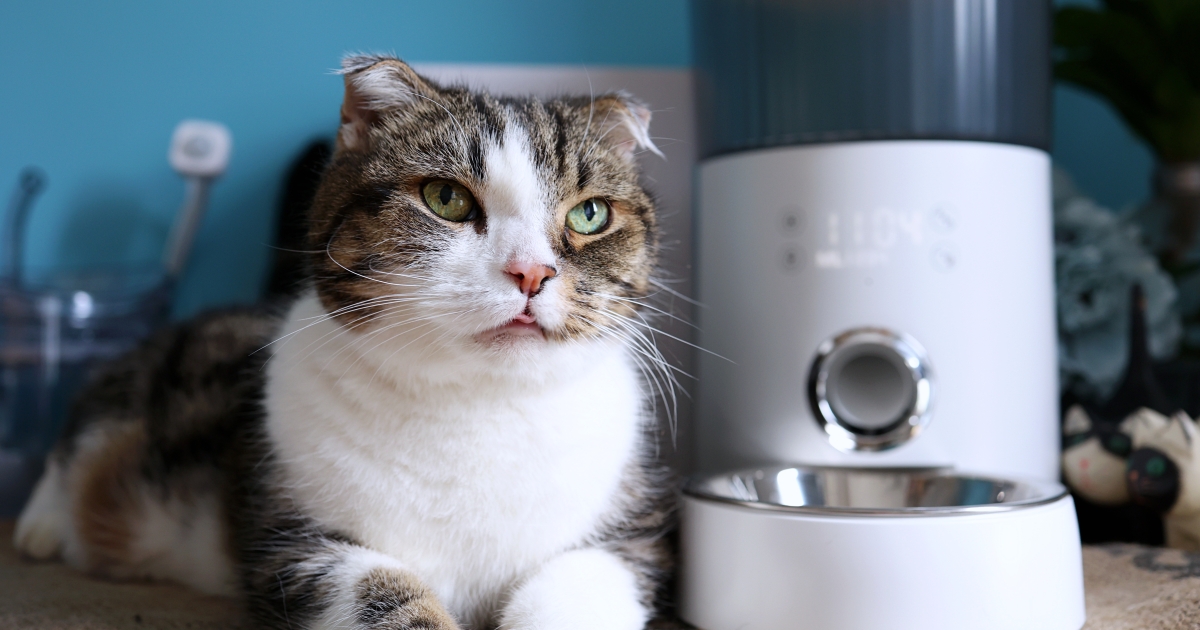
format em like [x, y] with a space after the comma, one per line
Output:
[480, 221]
[1094, 458]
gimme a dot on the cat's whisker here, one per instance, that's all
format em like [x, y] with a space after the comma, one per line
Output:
[662, 369]
[362, 354]
[362, 340]
[660, 283]
[649, 373]
[388, 358]
[669, 385]
[382, 302]
[658, 331]
[384, 312]
[384, 317]
[432, 345]
[644, 305]
[318, 319]
[671, 404]
[637, 341]
[641, 152]
[351, 271]
[335, 333]
[377, 311]
[662, 383]
[398, 274]
[644, 341]
[647, 365]
[353, 326]
[368, 303]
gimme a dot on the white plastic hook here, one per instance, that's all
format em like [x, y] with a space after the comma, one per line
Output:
[199, 152]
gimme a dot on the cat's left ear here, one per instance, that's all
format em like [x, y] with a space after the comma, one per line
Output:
[376, 85]
[624, 123]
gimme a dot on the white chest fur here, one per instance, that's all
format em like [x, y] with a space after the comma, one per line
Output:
[471, 482]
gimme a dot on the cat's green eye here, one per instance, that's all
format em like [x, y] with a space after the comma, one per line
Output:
[449, 200]
[589, 217]
[1118, 445]
[1156, 466]
[1075, 440]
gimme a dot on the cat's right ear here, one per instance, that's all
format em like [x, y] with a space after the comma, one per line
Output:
[1077, 421]
[375, 85]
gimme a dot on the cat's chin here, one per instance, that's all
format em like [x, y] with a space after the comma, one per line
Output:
[514, 332]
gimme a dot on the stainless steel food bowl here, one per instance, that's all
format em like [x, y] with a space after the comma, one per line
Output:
[846, 548]
[872, 491]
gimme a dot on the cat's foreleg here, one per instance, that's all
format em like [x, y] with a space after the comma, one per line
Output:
[586, 589]
[340, 585]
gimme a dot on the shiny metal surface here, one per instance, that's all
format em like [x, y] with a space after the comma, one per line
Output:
[896, 400]
[871, 491]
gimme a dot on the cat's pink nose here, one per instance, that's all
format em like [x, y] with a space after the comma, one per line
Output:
[529, 276]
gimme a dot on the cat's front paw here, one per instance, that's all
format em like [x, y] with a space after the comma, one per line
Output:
[38, 539]
[587, 589]
[395, 600]
[41, 527]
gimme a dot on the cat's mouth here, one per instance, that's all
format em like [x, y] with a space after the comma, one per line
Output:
[523, 325]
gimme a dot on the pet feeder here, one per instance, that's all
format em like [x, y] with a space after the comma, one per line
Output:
[874, 254]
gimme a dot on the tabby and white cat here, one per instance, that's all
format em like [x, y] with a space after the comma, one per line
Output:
[451, 430]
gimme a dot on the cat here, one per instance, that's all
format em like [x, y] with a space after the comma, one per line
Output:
[451, 427]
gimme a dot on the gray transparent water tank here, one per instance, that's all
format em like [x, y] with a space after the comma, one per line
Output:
[787, 72]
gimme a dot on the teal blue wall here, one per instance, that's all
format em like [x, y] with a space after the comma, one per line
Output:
[90, 91]
[1095, 147]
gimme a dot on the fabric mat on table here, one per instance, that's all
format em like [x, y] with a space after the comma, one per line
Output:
[1131, 587]
[1128, 588]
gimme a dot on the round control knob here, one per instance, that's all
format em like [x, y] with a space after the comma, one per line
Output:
[870, 389]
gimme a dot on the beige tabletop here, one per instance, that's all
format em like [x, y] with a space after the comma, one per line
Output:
[1128, 588]
[50, 596]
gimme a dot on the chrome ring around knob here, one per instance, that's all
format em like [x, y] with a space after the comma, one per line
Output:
[870, 389]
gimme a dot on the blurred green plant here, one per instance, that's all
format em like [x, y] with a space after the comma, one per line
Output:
[1143, 56]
